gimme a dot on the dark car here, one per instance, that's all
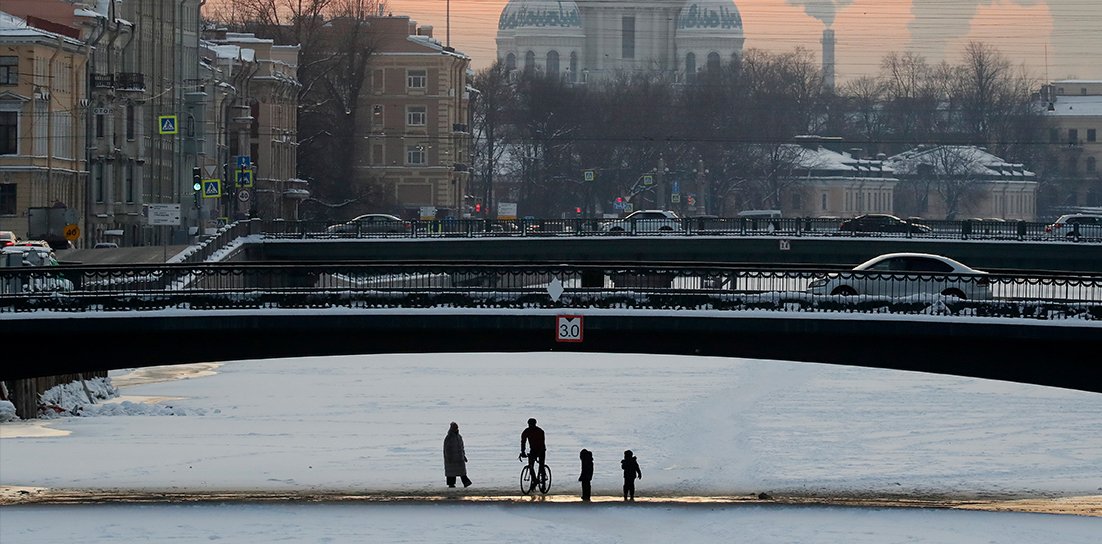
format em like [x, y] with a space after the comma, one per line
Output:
[880, 222]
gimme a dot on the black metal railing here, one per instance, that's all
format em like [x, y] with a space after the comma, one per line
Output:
[710, 226]
[131, 81]
[720, 288]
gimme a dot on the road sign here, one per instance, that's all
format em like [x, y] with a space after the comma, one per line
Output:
[244, 163]
[568, 328]
[167, 124]
[675, 198]
[590, 175]
[210, 169]
[648, 180]
[619, 205]
[161, 214]
[506, 210]
[222, 221]
[786, 245]
[675, 186]
[72, 232]
[212, 188]
[243, 195]
[629, 207]
[428, 213]
[244, 178]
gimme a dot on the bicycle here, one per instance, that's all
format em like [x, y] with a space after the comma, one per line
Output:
[528, 483]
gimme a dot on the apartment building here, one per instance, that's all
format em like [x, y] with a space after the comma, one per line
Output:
[41, 137]
[417, 140]
[1075, 109]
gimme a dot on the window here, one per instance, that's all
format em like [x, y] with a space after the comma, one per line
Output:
[9, 70]
[510, 62]
[573, 66]
[824, 201]
[415, 154]
[377, 114]
[1092, 135]
[627, 37]
[9, 133]
[416, 116]
[553, 63]
[529, 61]
[690, 64]
[130, 180]
[1073, 136]
[417, 79]
[97, 180]
[101, 123]
[1091, 164]
[7, 198]
[713, 62]
[1083, 91]
[130, 121]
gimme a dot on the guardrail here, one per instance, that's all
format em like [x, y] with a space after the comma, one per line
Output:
[700, 226]
[259, 286]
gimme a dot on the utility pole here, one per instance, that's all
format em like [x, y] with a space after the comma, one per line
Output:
[660, 185]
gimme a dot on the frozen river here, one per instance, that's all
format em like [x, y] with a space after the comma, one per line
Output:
[700, 427]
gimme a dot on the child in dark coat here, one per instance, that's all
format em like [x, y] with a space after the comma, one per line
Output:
[587, 473]
[631, 471]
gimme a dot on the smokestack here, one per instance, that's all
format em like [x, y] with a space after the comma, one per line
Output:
[828, 60]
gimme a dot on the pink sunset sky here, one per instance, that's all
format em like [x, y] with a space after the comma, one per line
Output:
[1057, 37]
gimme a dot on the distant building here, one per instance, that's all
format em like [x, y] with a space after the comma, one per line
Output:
[581, 39]
[41, 134]
[417, 135]
[827, 183]
[252, 93]
[962, 182]
[1075, 109]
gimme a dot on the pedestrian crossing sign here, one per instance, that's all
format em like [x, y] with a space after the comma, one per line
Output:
[167, 124]
[245, 178]
[212, 188]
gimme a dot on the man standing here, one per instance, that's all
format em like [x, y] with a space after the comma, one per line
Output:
[537, 448]
[455, 458]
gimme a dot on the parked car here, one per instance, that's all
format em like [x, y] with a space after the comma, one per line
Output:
[1074, 226]
[907, 274]
[644, 221]
[105, 245]
[7, 238]
[372, 223]
[36, 256]
[880, 222]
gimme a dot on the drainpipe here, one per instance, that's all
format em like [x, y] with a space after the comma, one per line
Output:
[50, 125]
[89, 70]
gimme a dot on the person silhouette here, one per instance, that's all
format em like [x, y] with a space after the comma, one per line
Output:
[455, 457]
[537, 447]
[587, 473]
[630, 464]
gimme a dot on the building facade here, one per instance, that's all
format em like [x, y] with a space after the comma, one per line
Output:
[582, 39]
[417, 140]
[829, 183]
[1074, 107]
[41, 138]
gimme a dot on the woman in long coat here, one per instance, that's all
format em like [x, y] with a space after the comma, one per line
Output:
[455, 458]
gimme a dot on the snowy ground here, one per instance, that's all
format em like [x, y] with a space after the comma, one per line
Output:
[700, 427]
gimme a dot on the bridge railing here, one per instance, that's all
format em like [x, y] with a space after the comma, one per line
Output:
[695, 226]
[262, 285]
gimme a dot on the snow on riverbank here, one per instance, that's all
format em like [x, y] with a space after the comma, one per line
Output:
[700, 426]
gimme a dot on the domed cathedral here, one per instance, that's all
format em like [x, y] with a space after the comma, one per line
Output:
[589, 38]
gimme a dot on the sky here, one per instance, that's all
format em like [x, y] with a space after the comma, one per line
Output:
[866, 29]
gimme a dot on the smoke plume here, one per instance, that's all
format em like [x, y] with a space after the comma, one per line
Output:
[823, 10]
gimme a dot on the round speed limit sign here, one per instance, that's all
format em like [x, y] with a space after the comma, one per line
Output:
[568, 328]
[72, 232]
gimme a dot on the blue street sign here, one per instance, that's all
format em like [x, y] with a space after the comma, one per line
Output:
[212, 188]
[166, 124]
[648, 180]
[244, 163]
[590, 175]
[244, 178]
[675, 187]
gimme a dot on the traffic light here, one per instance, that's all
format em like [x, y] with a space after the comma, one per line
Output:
[478, 208]
[197, 184]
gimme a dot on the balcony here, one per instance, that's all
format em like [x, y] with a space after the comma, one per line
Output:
[130, 81]
[459, 127]
[103, 81]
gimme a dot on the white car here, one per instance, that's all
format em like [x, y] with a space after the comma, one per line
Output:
[907, 274]
[644, 221]
[1085, 224]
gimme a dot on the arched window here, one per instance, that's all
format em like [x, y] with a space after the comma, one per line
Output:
[510, 62]
[690, 64]
[553, 63]
[1091, 164]
[713, 62]
[529, 61]
[573, 66]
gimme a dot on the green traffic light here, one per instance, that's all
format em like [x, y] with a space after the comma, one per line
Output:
[197, 186]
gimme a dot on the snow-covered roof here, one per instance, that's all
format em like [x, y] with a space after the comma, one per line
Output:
[1077, 105]
[14, 27]
[820, 159]
[963, 160]
[437, 45]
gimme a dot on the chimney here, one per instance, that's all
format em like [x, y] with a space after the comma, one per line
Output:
[828, 60]
[425, 30]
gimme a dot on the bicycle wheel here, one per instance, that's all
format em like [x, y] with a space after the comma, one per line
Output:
[526, 481]
[545, 479]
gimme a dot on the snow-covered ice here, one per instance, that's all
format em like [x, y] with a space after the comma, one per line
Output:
[700, 427]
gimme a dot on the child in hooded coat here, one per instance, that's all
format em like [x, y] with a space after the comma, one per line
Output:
[630, 464]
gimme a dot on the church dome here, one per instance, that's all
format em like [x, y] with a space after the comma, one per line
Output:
[709, 16]
[543, 14]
